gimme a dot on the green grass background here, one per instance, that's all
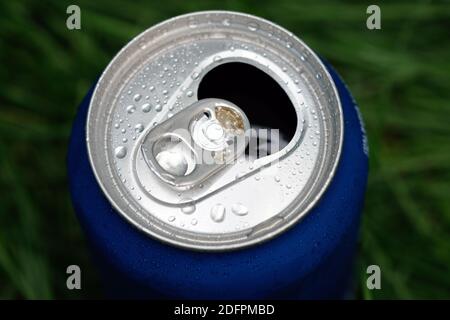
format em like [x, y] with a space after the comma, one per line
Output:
[399, 75]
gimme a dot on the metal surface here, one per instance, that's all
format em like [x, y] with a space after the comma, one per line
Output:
[196, 143]
[156, 76]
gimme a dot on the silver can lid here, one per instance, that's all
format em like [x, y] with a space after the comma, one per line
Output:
[147, 130]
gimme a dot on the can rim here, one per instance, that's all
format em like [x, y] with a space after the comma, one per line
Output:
[223, 246]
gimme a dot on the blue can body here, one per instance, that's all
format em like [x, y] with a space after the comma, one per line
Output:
[311, 260]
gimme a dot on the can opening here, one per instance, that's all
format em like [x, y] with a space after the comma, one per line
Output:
[263, 100]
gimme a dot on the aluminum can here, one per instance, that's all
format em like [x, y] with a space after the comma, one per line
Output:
[218, 157]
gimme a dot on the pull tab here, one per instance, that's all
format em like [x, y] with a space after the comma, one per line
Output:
[196, 143]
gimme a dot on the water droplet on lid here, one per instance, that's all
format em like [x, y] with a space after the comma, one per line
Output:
[131, 109]
[139, 127]
[277, 179]
[239, 209]
[137, 97]
[194, 222]
[218, 213]
[189, 93]
[226, 22]
[188, 209]
[146, 107]
[253, 26]
[120, 152]
[158, 108]
[151, 88]
[171, 218]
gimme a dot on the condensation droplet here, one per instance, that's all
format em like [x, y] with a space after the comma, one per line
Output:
[146, 107]
[188, 209]
[139, 127]
[218, 213]
[120, 152]
[239, 209]
[131, 109]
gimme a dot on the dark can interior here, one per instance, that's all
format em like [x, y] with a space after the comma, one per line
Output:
[263, 100]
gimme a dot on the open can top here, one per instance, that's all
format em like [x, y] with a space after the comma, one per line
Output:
[148, 132]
